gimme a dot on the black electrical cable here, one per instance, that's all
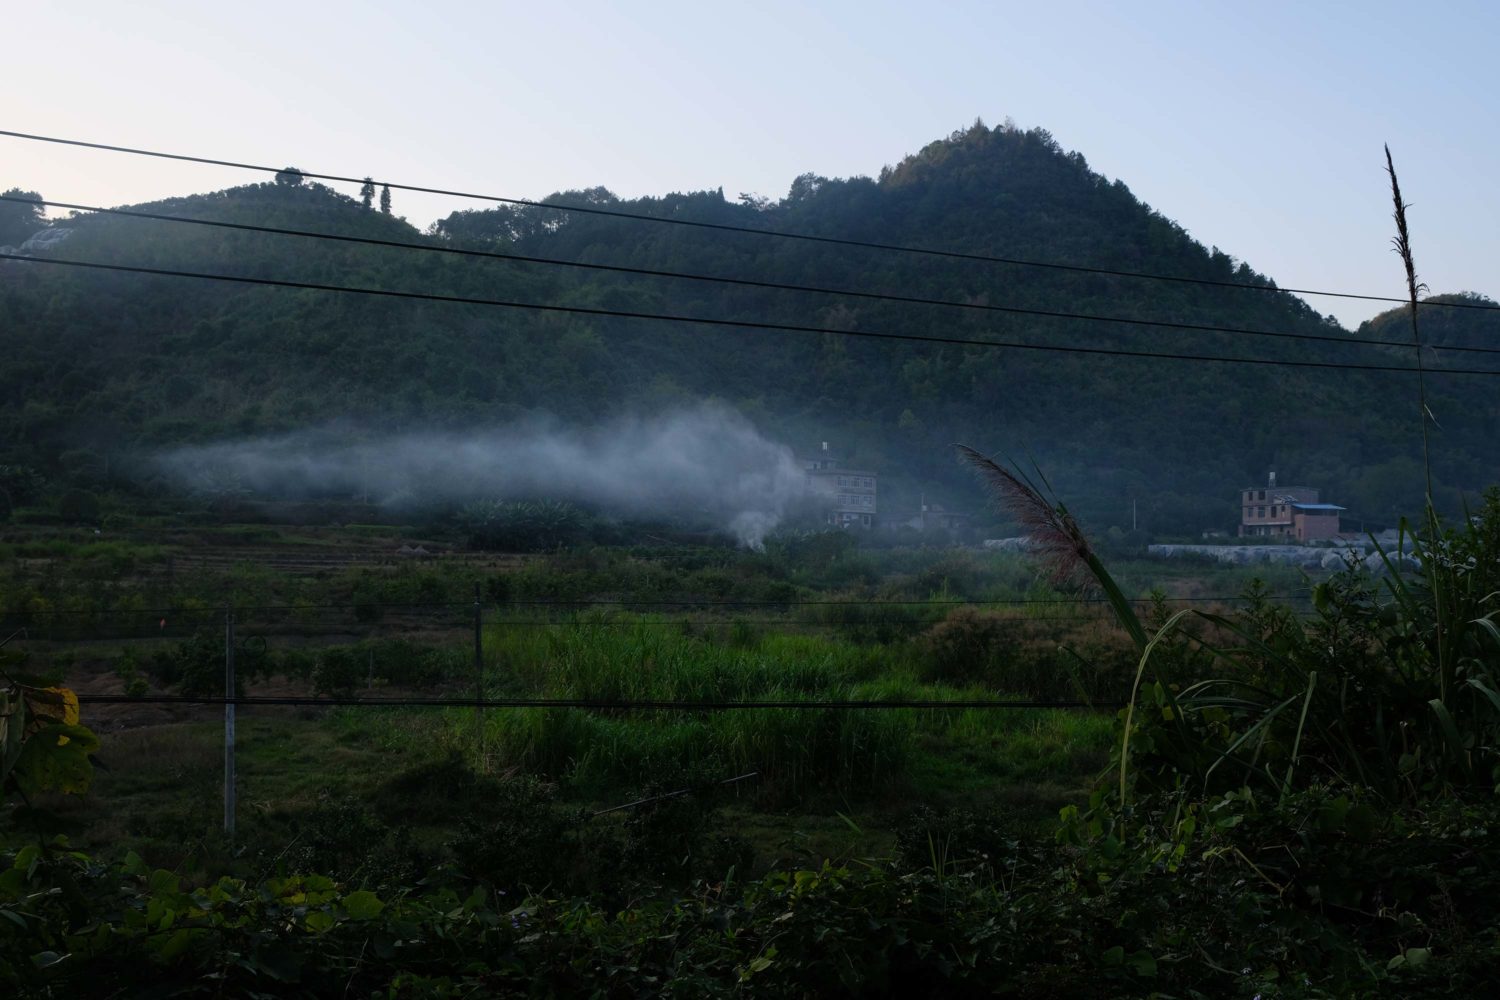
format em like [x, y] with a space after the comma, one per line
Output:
[739, 324]
[744, 282]
[600, 704]
[749, 230]
[625, 603]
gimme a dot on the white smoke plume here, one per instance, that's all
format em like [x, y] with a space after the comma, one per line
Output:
[705, 460]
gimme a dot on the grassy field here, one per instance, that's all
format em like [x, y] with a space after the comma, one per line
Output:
[324, 611]
[160, 792]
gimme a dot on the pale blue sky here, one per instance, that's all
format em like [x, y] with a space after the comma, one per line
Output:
[1258, 126]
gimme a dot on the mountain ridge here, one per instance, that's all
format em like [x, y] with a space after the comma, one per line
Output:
[115, 363]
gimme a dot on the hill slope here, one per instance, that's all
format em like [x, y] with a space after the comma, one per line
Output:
[108, 363]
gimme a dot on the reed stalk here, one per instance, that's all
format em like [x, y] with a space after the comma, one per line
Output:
[1401, 242]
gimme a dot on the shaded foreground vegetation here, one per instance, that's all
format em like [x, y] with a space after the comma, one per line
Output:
[1296, 807]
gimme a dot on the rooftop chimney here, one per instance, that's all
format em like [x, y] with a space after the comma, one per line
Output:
[1273, 480]
[825, 446]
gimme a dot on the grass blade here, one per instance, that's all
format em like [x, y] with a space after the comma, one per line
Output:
[1135, 689]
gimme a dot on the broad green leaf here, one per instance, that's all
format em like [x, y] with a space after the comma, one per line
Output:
[1450, 733]
[56, 759]
[363, 905]
[175, 945]
[163, 881]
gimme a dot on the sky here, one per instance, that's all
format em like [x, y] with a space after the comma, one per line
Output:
[1257, 127]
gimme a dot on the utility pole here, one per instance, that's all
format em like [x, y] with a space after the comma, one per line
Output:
[1132, 515]
[479, 674]
[229, 689]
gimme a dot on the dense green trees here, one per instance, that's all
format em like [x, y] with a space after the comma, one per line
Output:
[21, 218]
[115, 362]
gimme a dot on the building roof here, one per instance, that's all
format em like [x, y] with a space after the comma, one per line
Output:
[1318, 506]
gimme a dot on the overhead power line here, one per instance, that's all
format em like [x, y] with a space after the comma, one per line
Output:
[733, 281]
[750, 230]
[145, 631]
[603, 704]
[626, 603]
[730, 323]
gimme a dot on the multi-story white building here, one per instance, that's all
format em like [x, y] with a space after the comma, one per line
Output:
[847, 494]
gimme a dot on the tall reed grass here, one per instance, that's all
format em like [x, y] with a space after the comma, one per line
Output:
[794, 750]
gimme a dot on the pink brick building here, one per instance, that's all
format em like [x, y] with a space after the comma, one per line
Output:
[1289, 512]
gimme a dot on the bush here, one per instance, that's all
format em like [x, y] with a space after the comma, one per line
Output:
[342, 838]
[1031, 657]
[24, 485]
[339, 670]
[525, 839]
[525, 844]
[877, 623]
[523, 526]
[194, 667]
[970, 842]
[78, 506]
[296, 664]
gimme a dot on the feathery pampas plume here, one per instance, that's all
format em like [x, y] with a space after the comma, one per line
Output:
[1054, 535]
[1402, 244]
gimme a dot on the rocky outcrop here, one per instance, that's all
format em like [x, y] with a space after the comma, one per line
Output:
[41, 242]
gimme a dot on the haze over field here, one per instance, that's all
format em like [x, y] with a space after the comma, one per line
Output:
[101, 365]
[703, 460]
[750, 500]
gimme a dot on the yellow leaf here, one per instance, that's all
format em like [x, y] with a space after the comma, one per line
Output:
[50, 705]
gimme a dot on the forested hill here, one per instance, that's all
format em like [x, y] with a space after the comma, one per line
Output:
[1466, 326]
[100, 364]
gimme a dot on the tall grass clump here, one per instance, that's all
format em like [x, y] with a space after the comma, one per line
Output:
[1339, 770]
[623, 659]
[620, 660]
[1021, 655]
[1369, 694]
